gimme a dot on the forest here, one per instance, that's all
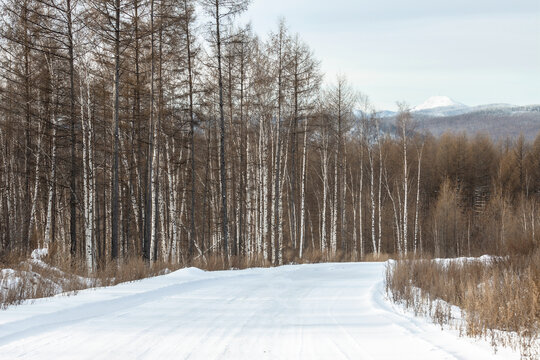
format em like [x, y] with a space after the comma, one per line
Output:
[166, 131]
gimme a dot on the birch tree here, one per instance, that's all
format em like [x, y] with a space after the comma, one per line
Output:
[404, 127]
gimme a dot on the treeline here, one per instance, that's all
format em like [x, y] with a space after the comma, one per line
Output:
[128, 129]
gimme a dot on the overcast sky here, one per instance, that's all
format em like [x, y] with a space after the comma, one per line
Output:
[474, 51]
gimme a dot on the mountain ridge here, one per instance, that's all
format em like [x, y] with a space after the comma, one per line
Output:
[498, 120]
[442, 106]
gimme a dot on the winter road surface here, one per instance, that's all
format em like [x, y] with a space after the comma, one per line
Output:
[324, 311]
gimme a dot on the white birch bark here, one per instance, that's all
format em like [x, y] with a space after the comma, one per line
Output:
[172, 254]
[87, 179]
[48, 225]
[303, 191]
[249, 199]
[354, 199]
[343, 207]
[153, 182]
[417, 197]
[360, 195]
[372, 198]
[36, 184]
[405, 192]
[401, 217]
[273, 207]
[282, 203]
[324, 170]
[213, 213]
[355, 231]
[396, 216]
[163, 244]
[333, 232]
[533, 221]
[379, 202]
[263, 151]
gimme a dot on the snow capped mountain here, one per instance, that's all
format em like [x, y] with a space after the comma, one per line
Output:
[440, 113]
[435, 106]
[440, 106]
[435, 102]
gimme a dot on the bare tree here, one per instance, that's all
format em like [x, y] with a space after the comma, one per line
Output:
[341, 100]
[404, 127]
[222, 10]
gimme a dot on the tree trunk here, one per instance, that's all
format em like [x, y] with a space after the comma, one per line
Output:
[223, 172]
[417, 197]
[303, 191]
[73, 170]
[115, 190]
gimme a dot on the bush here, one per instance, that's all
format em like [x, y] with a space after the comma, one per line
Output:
[499, 297]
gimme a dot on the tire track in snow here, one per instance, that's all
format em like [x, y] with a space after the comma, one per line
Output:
[36, 325]
[352, 340]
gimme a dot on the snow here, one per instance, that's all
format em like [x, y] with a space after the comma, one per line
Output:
[437, 102]
[37, 254]
[34, 277]
[485, 259]
[8, 279]
[322, 311]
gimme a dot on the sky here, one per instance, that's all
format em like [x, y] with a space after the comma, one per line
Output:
[474, 51]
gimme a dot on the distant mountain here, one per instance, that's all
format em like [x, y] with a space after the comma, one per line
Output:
[435, 102]
[440, 106]
[434, 106]
[386, 113]
[440, 114]
[497, 122]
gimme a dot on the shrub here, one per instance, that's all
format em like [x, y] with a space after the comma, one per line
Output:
[499, 297]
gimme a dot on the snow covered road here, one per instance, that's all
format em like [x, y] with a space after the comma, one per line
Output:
[322, 311]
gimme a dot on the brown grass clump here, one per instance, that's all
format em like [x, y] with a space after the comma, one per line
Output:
[213, 262]
[216, 262]
[29, 279]
[499, 298]
[373, 257]
[22, 278]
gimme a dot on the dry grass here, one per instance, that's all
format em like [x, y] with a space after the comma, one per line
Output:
[30, 279]
[373, 257]
[499, 299]
[314, 256]
[214, 262]
[56, 273]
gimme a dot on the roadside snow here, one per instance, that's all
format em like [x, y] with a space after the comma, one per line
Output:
[37, 254]
[322, 311]
[35, 278]
[8, 279]
[484, 259]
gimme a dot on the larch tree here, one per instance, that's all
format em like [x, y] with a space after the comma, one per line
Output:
[305, 78]
[341, 102]
[220, 11]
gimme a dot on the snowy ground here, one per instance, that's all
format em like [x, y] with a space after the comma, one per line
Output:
[323, 311]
